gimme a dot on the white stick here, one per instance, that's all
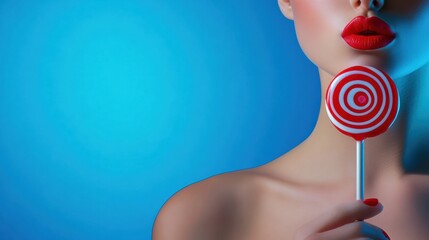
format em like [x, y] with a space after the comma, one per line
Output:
[360, 170]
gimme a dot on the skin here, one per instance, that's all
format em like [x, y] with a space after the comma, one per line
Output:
[308, 193]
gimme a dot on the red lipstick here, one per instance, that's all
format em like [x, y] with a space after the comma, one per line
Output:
[367, 33]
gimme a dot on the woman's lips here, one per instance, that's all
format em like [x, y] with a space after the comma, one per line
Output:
[367, 33]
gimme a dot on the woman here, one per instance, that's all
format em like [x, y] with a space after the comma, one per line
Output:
[308, 192]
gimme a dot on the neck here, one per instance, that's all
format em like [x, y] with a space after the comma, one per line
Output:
[383, 153]
[332, 155]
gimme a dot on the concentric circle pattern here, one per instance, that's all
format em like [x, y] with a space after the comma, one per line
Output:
[362, 102]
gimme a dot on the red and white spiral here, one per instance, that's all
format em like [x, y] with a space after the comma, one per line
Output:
[362, 102]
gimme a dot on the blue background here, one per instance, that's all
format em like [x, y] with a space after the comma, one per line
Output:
[107, 108]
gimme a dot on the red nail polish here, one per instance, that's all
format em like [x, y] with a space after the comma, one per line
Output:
[371, 202]
[385, 234]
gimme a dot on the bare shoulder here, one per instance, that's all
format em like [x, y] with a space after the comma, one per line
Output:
[203, 210]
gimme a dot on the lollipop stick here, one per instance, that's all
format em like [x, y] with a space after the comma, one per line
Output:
[360, 170]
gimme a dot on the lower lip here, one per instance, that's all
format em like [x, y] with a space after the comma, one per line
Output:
[372, 42]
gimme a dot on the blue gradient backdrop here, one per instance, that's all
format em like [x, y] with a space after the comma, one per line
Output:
[110, 107]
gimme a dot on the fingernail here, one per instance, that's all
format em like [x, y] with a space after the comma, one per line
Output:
[371, 202]
[385, 234]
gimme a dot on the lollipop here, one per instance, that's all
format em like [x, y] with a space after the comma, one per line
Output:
[362, 102]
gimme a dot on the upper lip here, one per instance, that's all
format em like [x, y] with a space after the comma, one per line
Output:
[367, 27]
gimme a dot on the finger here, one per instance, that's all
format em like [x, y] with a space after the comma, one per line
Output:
[344, 214]
[353, 230]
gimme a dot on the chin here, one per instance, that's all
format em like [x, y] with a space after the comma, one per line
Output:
[395, 66]
[333, 68]
[394, 60]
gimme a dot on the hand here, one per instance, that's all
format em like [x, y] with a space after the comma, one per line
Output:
[345, 222]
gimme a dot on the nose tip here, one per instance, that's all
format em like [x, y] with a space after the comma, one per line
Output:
[364, 6]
